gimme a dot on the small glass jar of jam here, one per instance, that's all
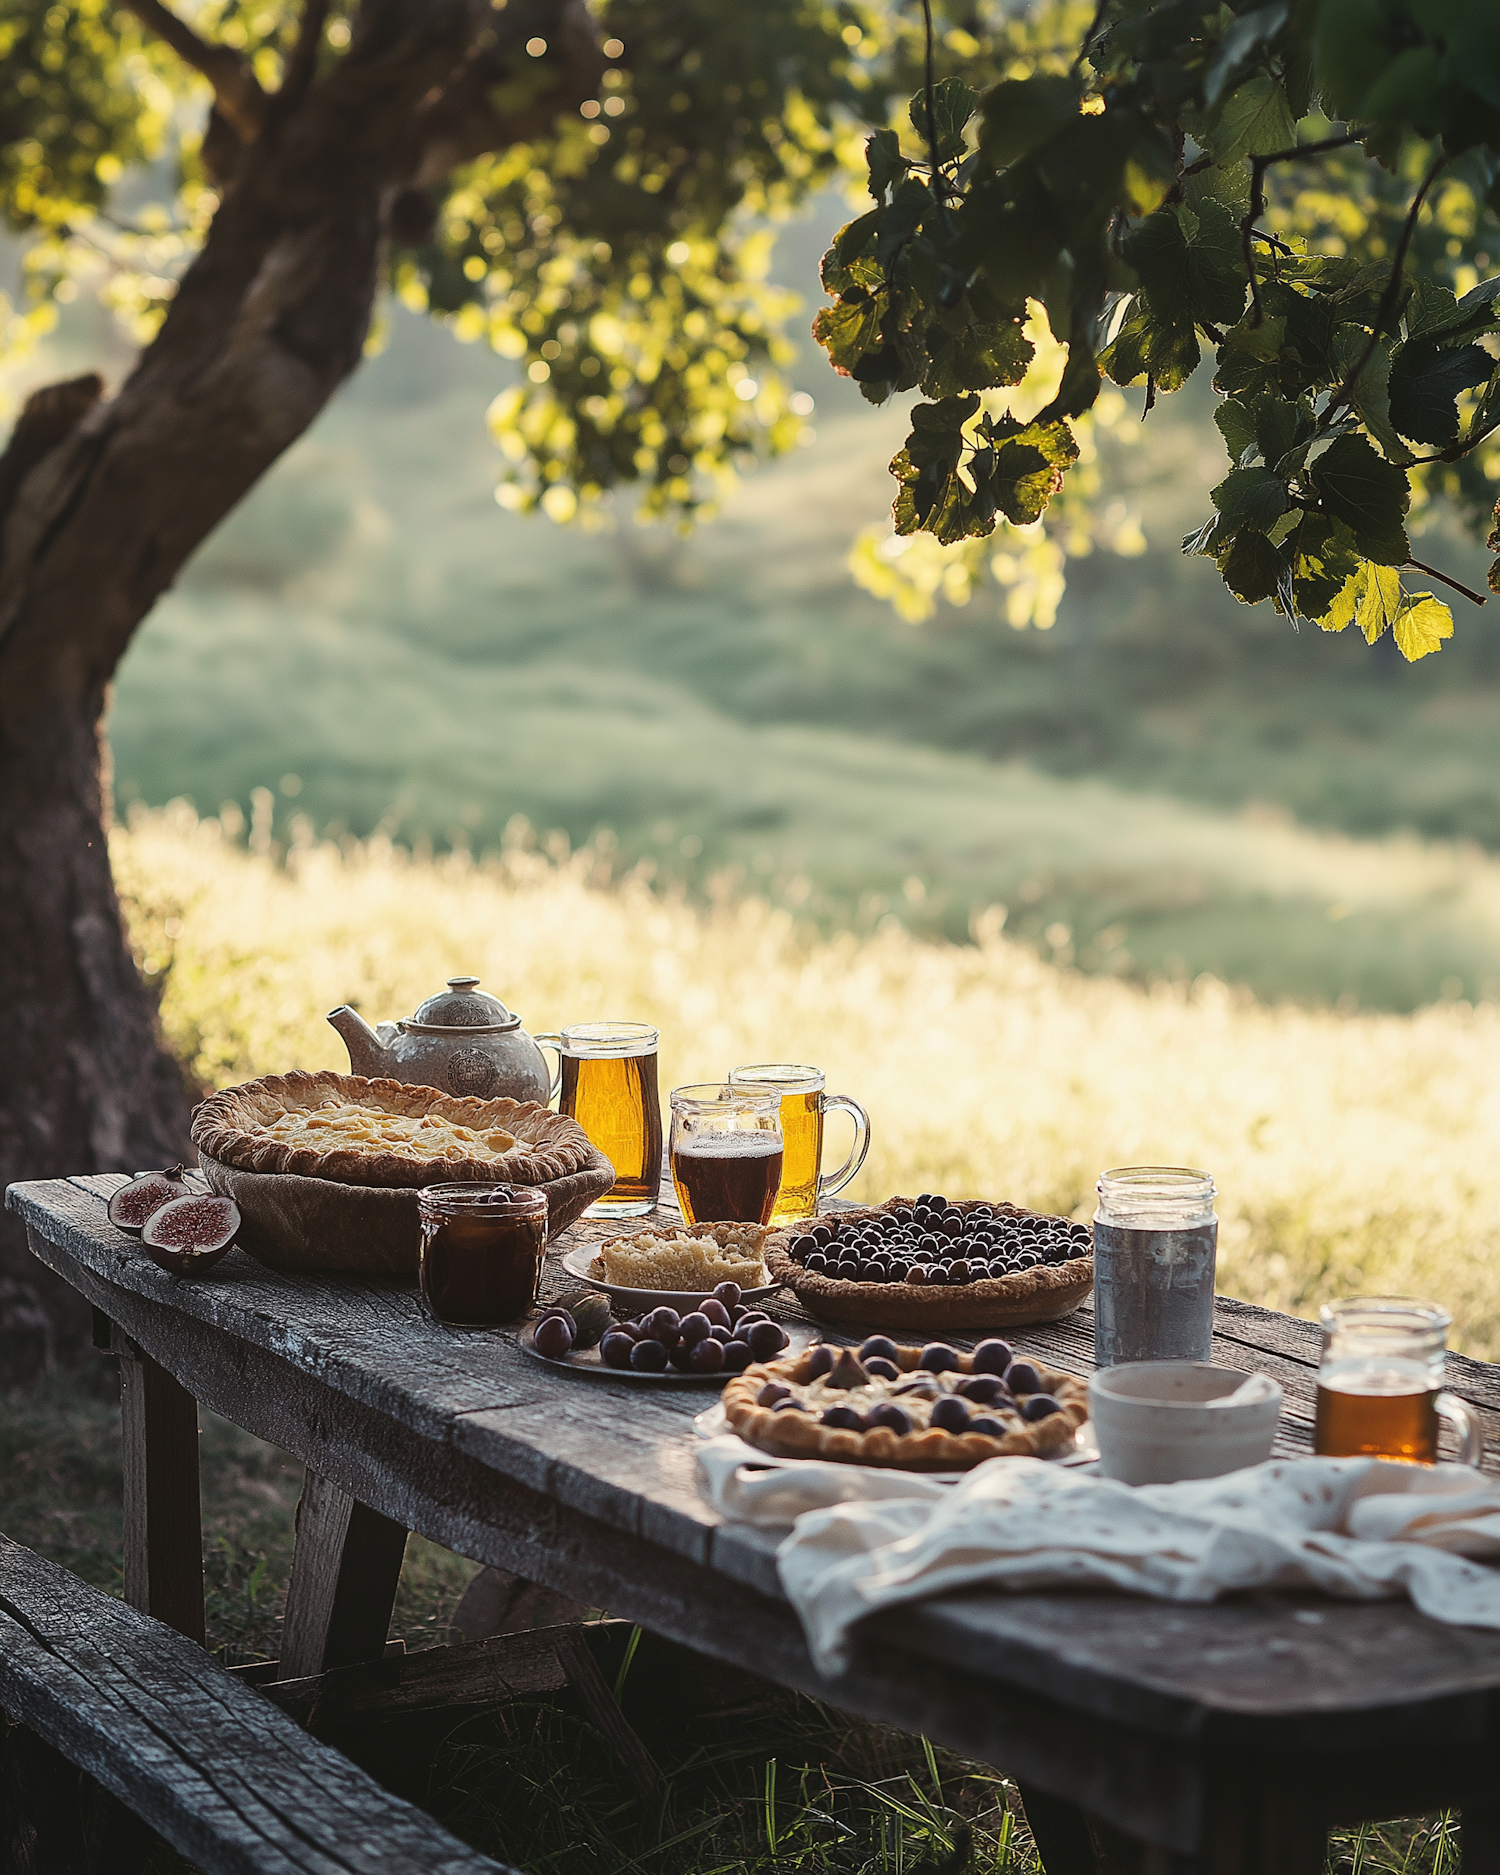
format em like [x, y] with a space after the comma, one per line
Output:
[482, 1249]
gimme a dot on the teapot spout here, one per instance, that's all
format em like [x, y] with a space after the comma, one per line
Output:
[368, 1054]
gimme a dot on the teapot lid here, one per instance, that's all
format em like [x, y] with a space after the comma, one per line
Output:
[463, 1005]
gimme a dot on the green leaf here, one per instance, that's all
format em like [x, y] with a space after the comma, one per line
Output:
[1253, 120]
[1236, 424]
[1371, 598]
[851, 238]
[1369, 495]
[979, 357]
[953, 106]
[1024, 470]
[1148, 347]
[901, 220]
[1250, 359]
[1319, 559]
[1245, 38]
[1283, 431]
[1421, 626]
[1021, 114]
[1425, 384]
[887, 164]
[1369, 393]
[1250, 568]
[1190, 265]
[1251, 498]
[848, 330]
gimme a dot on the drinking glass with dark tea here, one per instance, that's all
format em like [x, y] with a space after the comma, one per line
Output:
[607, 1082]
[481, 1253]
[726, 1153]
[1380, 1383]
[803, 1106]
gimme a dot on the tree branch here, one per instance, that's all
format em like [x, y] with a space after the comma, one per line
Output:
[49, 415]
[240, 100]
[1248, 230]
[302, 62]
[1458, 586]
[1389, 297]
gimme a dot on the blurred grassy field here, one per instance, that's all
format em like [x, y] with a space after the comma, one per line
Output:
[1352, 1151]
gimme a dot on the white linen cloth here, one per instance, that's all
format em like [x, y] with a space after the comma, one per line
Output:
[1362, 1529]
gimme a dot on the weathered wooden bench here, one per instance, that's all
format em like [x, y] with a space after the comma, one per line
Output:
[168, 1741]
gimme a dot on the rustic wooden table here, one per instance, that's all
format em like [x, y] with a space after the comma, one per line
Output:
[1145, 1736]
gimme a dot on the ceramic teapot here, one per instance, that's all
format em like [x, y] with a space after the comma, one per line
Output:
[463, 1041]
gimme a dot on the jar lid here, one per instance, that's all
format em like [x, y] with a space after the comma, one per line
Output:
[463, 1005]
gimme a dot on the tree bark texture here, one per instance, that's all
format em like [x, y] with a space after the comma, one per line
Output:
[102, 500]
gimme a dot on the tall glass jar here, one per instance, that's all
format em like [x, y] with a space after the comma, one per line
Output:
[481, 1252]
[1155, 1244]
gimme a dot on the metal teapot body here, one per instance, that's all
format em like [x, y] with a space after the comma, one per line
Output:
[461, 1041]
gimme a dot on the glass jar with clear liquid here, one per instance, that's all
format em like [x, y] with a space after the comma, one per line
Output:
[1155, 1246]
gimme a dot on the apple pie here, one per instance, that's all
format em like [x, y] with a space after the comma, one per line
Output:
[356, 1131]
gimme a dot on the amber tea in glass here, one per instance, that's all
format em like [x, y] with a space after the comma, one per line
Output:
[803, 1106]
[607, 1083]
[1380, 1383]
[726, 1153]
[481, 1252]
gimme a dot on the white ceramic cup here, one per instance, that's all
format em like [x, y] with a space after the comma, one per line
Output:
[1155, 1421]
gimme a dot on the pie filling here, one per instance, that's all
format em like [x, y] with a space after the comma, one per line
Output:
[349, 1126]
[915, 1394]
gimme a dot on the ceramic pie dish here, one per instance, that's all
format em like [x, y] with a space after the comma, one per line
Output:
[355, 1131]
[349, 1205]
[1043, 1293]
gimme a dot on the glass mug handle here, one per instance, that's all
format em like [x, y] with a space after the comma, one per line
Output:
[1460, 1418]
[830, 1182]
[554, 1042]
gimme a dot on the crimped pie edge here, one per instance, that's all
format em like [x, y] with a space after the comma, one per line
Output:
[552, 1145]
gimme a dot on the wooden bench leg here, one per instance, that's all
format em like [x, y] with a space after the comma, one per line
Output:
[346, 1568]
[163, 1518]
[56, 1821]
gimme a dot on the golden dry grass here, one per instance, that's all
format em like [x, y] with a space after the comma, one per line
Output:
[1352, 1152]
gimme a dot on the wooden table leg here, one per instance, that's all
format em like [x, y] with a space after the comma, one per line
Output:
[345, 1571]
[163, 1518]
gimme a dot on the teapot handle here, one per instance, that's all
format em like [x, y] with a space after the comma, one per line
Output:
[554, 1042]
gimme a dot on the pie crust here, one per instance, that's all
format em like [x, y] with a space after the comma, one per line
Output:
[1043, 1294]
[504, 1141]
[801, 1435]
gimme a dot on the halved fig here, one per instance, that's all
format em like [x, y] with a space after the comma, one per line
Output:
[146, 1193]
[191, 1234]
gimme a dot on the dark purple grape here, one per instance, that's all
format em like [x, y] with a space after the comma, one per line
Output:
[890, 1416]
[951, 1224]
[991, 1357]
[924, 1389]
[950, 1414]
[648, 1357]
[937, 1358]
[928, 1242]
[680, 1356]
[990, 1427]
[820, 1361]
[766, 1339]
[788, 1406]
[616, 1349]
[706, 1356]
[547, 1315]
[1041, 1406]
[843, 1417]
[823, 1233]
[802, 1247]
[917, 1275]
[736, 1357]
[817, 1263]
[554, 1336]
[747, 1316]
[771, 1392]
[958, 1270]
[870, 1273]
[1022, 1377]
[695, 1327]
[878, 1364]
[878, 1344]
[661, 1323]
[902, 1215]
[981, 1387]
[728, 1294]
[997, 1269]
[715, 1310]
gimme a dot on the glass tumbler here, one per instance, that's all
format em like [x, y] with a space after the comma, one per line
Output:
[726, 1153]
[1380, 1383]
[1155, 1245]
[803, 1105]
[481, 1252]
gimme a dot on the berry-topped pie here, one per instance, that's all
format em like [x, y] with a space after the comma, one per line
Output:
[356, 1131]
[913, 1409]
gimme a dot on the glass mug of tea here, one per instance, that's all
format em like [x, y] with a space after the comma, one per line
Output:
[726, 1153]
[803, 1105]
[606, 1081]
[481, 1252]
[1380, 1383]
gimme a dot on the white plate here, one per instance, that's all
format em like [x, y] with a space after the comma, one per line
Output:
[590, 1363]
[576, 1262]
